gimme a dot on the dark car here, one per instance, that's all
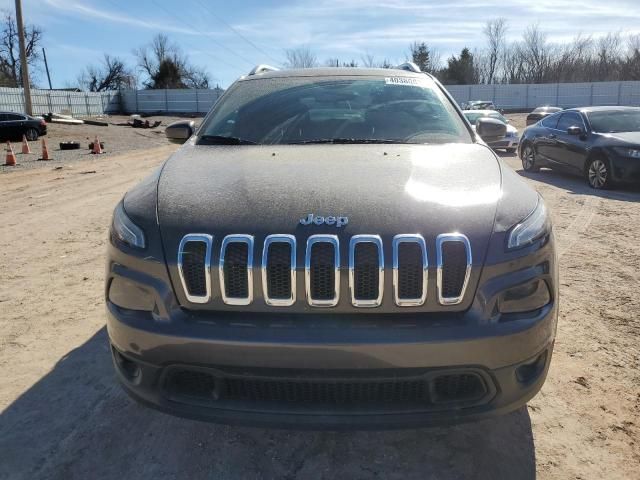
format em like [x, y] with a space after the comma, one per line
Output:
[14, 125]
[541, 112]
[600, 143]
[332, 248]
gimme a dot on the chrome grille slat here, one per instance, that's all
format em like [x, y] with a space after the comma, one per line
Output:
[366, 276]
[400, 275]
[454, 267]
[274, 270]
[322, 276]
[236, 273]
[193, 290]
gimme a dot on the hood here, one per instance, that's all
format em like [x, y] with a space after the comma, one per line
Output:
[623, 138]
[383, 189]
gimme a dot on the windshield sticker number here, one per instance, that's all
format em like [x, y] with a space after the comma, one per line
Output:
[402, 81]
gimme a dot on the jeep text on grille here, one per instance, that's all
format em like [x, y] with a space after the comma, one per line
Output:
[332, 248]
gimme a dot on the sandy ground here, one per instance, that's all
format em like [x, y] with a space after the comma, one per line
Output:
[64, 417]
[117, 139]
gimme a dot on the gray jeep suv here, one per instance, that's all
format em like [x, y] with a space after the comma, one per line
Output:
[332, 248]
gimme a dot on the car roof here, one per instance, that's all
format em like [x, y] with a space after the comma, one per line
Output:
[335, 72]
[485, 112]
[604, 109]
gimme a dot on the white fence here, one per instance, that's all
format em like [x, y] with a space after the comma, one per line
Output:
[509, 97]
[45, 101]
[170, 101]
[567, 95]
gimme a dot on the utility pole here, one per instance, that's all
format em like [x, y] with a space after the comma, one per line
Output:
[46, 67]
[23, 60]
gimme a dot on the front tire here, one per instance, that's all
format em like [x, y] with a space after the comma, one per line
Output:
[529, 159]
[31, 134]
[598, 174]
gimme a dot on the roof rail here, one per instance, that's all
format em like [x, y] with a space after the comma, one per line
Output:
[262, 68]
[409, 67]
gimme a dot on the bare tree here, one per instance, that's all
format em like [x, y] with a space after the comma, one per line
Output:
[495, 31]
[301, 57]
[368, 60]
[166, 66]
[10, 49]
[111, 74]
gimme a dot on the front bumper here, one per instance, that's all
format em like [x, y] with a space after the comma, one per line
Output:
[625, 170]
[280, 370]
[506, 142]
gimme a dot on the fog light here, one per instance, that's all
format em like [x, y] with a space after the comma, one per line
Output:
[129, 369]
[525, 297]
[529, 372]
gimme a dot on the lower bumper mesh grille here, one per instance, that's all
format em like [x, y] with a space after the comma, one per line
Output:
[395, 393]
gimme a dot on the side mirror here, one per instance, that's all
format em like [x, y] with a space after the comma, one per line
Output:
[490, 129]
[574, 131]
[180, 131]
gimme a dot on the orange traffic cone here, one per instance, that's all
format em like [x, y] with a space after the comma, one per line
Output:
[96, 146]
[25, 145]
[11, 157]
[45, 151]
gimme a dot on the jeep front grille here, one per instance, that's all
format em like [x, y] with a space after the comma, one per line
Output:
[454, 267]
[322, 269]
[410, 270]
[236, 269]
[279, 270]
[194, 266]
[322, 263]
[366, 270]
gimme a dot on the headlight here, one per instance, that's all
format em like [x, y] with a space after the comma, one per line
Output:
[532, 228]
[125, 230]
[627, 152]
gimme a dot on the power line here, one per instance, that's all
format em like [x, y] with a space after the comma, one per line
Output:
[172, 15]
[230, 27]
[213, 57]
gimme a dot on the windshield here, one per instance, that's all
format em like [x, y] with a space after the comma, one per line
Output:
[344, 109]
[474, 116]
[615, 121]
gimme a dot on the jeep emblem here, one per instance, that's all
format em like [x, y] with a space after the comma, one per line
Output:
[318, 220]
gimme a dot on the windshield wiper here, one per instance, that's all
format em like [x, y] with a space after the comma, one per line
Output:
[223, 140]
[345, 141]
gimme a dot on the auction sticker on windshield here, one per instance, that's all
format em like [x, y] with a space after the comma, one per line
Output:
[414, 82]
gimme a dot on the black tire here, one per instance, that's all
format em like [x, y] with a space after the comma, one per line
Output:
[69, 145]
[529, 159]
[510, 150]
[598, 173]
[32, 134]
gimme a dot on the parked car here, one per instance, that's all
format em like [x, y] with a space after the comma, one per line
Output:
[541, 112]
[14, 125]
[332, 248]
[600, 143]
[480, 105]
[510, 140]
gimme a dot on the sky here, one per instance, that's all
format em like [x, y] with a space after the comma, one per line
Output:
[229, 37]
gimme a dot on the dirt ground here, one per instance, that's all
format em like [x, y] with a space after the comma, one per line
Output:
[116, 137]
[64, 416]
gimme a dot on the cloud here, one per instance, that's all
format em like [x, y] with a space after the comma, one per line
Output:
[91, 12]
